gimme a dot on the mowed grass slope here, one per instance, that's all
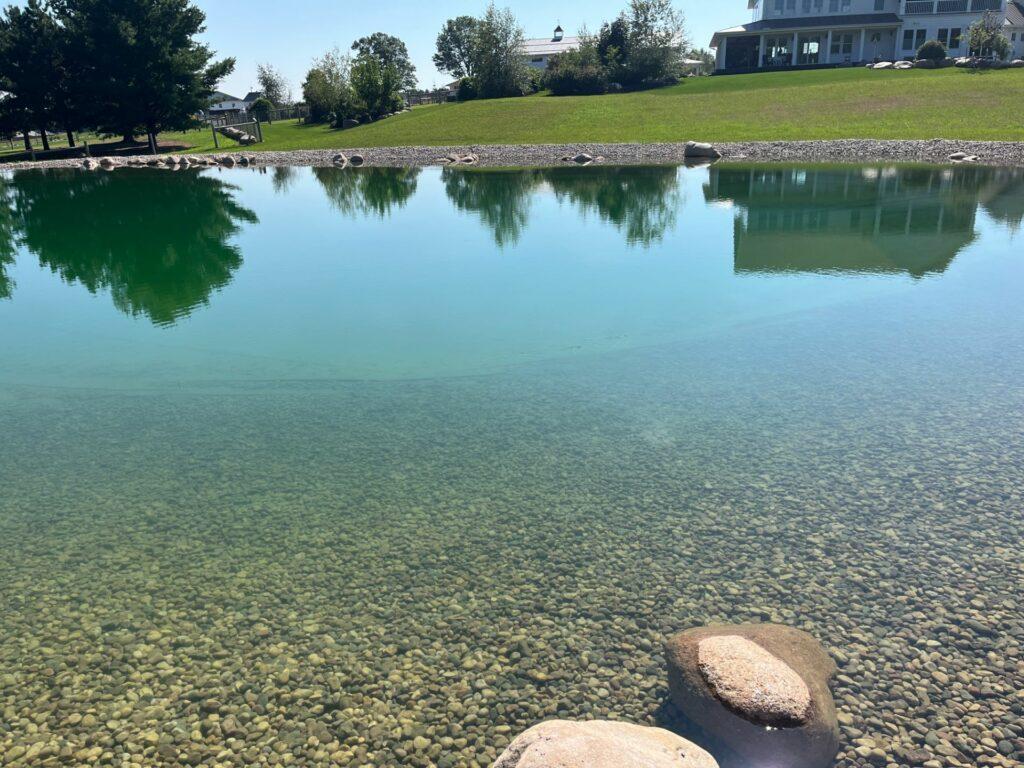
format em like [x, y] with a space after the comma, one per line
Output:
[822, 104]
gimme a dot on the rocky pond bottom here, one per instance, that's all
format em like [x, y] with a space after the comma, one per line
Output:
[320, 570]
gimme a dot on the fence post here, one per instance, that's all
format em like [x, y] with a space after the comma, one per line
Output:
[216, 144]
[259, 131]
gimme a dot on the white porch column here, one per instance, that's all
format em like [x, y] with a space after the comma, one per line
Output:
[796, 40]
[863, 38]
[827, 58]
[760, 53]
[721, 53]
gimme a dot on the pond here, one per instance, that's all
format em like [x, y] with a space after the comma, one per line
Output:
[381, 467]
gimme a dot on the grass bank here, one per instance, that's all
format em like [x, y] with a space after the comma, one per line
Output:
[823, 104]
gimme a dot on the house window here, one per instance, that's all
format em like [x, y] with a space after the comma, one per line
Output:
[914, 39]
[879, 5]
[833, 6]
[943, 37]
[790, 5]
[842, 44]
[778, 51]
[805, 6]
[876, 37]
[779, 5]
[809, 49]
[954, 38]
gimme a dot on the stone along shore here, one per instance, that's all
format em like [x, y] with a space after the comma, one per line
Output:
[1002, 153]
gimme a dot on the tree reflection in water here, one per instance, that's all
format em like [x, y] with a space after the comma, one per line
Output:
[642, 202]
[159, 241]
[368, 190]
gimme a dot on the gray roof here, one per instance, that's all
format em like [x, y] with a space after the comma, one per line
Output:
[1015, 13]
[810, 22]
[547, 46]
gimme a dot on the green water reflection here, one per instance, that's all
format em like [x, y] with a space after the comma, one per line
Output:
[160, 243]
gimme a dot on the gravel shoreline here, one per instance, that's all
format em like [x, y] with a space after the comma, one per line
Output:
[1003, 153]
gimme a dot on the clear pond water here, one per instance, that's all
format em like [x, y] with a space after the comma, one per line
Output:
[380, 467]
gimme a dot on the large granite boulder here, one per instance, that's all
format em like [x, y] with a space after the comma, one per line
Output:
[697, 149]
[758, 692]
[601, 744]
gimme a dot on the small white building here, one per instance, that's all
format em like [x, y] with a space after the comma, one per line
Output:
[820, 33]
[538, 52]
[224, 104]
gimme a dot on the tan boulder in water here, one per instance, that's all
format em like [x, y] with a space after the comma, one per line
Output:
[601, 744]
[758, 692]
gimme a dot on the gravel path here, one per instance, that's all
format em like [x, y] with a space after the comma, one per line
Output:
[853, 150]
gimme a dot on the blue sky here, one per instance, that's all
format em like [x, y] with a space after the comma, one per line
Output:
[290, 34]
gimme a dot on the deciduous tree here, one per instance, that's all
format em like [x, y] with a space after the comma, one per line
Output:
[389, 51]
[456, 46]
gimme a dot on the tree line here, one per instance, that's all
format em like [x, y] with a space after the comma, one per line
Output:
[642, 48]
[117, 67]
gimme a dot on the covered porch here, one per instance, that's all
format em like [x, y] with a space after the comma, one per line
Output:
[806, 43]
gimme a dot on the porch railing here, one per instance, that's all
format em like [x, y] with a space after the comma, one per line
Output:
[919, 7]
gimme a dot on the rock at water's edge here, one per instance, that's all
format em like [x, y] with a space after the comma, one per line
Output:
[738, 725]
[601, 744]
[699, 149]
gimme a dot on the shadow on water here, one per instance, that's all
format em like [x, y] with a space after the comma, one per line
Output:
[871, 220]
[158, 241]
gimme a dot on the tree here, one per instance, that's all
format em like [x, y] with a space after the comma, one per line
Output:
[985, 36]
[376, 85]
[500, 69]
[657, 39]
[31, 67]
[613, 42]
[456, 45]
[389, 51]
[327, 90]
[273, 84]
[139, 63]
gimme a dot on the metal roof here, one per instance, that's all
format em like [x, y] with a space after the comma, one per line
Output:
[548, 46]
[810, 22]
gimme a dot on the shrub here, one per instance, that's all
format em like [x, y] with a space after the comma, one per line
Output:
[577, 73]
[468, 89]
[261, 109]
[933, 50]
[985, 37]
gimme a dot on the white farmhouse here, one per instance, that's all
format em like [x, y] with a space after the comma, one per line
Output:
[538, 52]
[821, 33]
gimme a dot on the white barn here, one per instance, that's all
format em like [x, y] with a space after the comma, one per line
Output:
[538, 52]
[821, 33]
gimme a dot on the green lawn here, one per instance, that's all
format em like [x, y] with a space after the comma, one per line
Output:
[822, 104]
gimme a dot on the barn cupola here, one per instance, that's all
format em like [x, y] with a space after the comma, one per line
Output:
[559, 34]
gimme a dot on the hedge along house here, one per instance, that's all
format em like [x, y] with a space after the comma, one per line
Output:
[796, 34]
